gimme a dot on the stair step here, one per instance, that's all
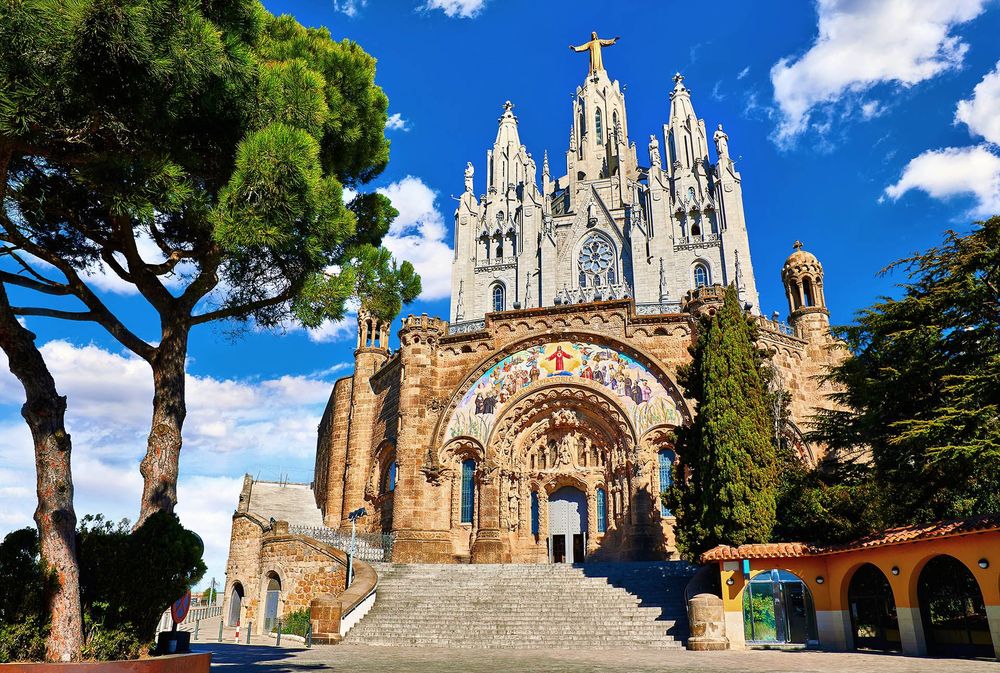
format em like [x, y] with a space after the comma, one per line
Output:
[599, 605]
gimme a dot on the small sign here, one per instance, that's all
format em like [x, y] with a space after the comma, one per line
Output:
[179, 610]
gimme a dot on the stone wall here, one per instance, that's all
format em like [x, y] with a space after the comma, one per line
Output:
[305, 568]
[403, 409]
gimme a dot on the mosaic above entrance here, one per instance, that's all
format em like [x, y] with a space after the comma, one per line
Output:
[647, 402]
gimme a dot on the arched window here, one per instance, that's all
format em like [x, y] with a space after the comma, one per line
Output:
[807, 292]
[696, 228]
[498, 298]
[614, 123]
[952, 610]
[534, 513]
[468, 495]
[602, 511]
[390, 478]
[666, 457]
[612, 276]
[599, 124]
[701, 277]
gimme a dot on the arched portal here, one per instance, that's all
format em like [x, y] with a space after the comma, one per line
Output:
[568, 525]
[235, 604]
[873, 610]
[271, 599]
[778, 608]
[953, 610]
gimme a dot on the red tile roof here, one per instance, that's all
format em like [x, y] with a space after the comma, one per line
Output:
[891, 536]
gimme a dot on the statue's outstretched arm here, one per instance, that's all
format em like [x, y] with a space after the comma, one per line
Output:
[608, 43]
[584, 47]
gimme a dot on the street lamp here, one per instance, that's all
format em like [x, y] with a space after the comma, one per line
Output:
[353, 516]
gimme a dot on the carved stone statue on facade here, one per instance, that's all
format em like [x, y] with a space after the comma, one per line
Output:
[513, 506]
[721, 142]
[469, 172]
[654, 151]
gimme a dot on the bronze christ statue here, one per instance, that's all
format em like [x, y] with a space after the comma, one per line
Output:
[594, 47]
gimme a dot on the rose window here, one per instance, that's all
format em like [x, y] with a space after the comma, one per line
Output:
[596, 256]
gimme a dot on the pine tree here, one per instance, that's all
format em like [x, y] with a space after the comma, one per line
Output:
[920, 394]
[200, 152]
[725, 486]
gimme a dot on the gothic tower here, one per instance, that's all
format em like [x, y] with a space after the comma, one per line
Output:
[608, 228]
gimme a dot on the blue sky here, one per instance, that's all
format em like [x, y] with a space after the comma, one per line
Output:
[865, 128]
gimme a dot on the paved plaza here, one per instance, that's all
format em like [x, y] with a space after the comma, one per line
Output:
[231, 658]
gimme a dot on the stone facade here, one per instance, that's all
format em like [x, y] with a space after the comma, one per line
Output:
[263, 554]
[535, 400]
[544, 431]
[609, 228]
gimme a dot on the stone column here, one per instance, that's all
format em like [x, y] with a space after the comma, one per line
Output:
[417, 540]
[911, 631]
[993, 617]
[488, 547]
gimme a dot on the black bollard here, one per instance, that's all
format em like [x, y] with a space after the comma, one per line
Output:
[309, 634]
[277, 637]
[249, 629]
[220, 630]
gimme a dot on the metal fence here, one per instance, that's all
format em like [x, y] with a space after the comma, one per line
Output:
[193, 615]
[367, 546]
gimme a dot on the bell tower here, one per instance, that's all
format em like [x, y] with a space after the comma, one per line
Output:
[802, 276]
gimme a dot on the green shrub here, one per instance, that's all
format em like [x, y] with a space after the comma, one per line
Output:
[23, 641]
[114, 644]
[296, 623]
[26, 584]
[127, 579]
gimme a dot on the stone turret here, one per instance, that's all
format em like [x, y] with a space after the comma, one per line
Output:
[802, 276]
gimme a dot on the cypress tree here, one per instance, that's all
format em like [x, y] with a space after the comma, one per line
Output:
[725, 488]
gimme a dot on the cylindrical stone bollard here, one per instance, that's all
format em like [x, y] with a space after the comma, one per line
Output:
[197, 623]
[220, 630]
[707, 619]
[277, 636]
[249, 629]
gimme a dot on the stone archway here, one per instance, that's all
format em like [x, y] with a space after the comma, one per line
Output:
[555, 434]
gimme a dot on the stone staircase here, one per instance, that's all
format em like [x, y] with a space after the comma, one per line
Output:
[528, 606]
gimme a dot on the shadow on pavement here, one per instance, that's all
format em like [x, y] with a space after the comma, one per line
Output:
[230, 656]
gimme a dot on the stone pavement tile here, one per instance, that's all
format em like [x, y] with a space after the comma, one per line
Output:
[229, 658]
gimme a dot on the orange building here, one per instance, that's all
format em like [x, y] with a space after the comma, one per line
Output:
[929, 589]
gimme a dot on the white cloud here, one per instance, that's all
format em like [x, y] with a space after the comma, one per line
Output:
[954, 172]
[335, 330]
[265, 427]
[863, 43]
[464, 9]
[349, 7]
[981, 113]
[395, 122]
[418, 235]
[743, 73]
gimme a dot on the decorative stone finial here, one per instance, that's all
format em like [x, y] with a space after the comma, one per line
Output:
[508, 106]
[797, 245]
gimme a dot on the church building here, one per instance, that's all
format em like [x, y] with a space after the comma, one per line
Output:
[537, 424]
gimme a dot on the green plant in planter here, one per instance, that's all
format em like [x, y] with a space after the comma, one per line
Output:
[296, 623]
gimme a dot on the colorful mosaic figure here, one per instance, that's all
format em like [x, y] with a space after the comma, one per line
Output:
[632, 384]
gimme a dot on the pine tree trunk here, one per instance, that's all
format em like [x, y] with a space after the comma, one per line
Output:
[44, 410]
[163, 447]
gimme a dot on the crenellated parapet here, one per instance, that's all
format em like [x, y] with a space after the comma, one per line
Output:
[422, 329]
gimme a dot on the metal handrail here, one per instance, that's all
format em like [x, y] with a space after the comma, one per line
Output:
[368, 546]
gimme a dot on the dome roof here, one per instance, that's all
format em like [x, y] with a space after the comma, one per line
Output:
[800, 258]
